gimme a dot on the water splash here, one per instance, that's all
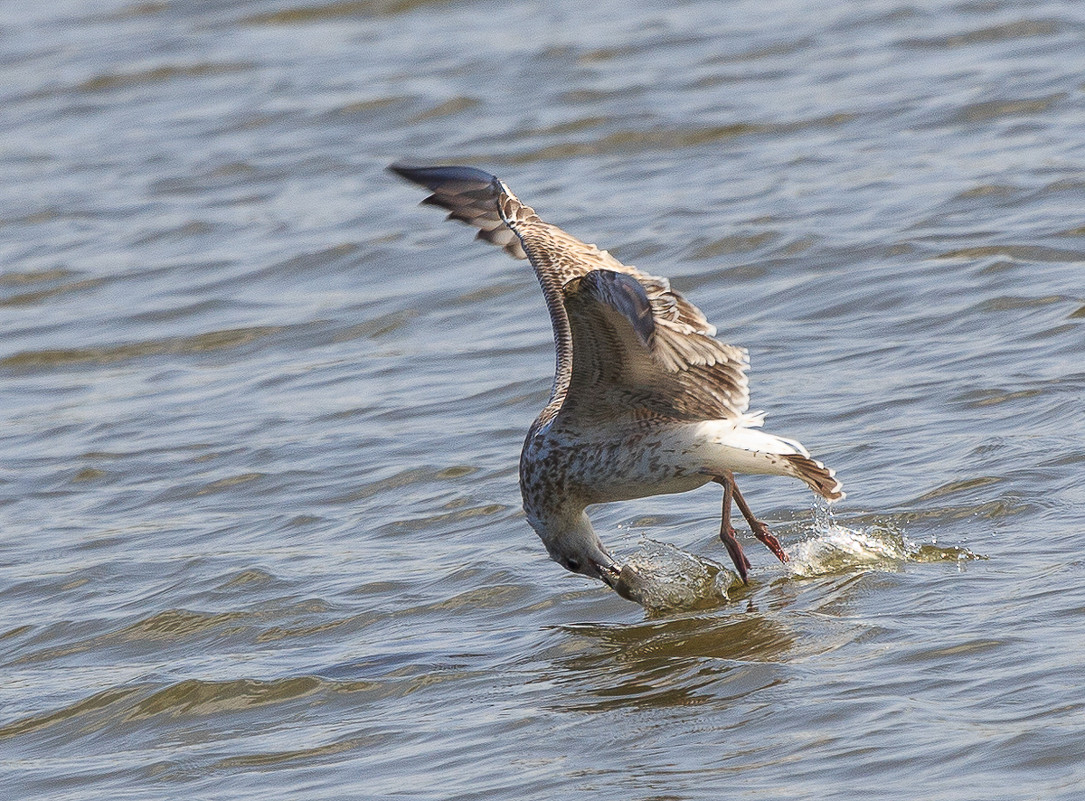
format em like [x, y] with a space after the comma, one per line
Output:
[835, 548]
[661, 577]
[664, 578]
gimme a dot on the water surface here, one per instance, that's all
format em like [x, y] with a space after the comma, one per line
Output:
[259, 525]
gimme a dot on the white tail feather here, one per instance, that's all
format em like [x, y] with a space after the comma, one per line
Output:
[740, 447]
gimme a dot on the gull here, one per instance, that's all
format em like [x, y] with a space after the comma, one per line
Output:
[645, 400]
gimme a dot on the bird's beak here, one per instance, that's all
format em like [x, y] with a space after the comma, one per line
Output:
[625, 581]
[609, 573]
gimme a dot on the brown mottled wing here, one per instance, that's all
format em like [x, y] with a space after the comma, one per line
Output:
[697, 377]
[570, 258]
[628, 361]
[484, 202]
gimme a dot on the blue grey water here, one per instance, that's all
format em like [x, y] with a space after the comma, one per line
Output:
[260, 531]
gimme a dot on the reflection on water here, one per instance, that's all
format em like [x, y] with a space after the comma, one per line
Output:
[670, 662]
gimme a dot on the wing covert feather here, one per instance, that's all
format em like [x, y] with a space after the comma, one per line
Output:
[619, 371]
[682, 372]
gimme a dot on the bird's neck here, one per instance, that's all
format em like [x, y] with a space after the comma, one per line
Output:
[559, 320]
[539, 245]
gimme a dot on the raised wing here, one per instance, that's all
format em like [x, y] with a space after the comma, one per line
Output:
[627, 362]
[693, 376]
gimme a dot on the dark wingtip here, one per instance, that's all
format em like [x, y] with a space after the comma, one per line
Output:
[435, 177]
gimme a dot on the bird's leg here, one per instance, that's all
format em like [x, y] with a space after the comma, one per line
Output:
[727, 532]
[759, 529]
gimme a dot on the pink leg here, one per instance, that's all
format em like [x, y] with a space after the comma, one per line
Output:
[759, 529]
[727, 532]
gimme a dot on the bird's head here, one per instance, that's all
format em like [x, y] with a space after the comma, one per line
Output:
[574, 545]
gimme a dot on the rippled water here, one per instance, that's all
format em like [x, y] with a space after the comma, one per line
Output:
[259, 523]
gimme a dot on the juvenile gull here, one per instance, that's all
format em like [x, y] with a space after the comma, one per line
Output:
[645, 401]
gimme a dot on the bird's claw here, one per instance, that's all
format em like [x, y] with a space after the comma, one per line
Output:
[734, 550]
[761, 531]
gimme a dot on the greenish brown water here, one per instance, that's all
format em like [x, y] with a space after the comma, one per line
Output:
[260, 531]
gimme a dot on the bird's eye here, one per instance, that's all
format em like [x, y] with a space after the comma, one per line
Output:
[572, 564]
